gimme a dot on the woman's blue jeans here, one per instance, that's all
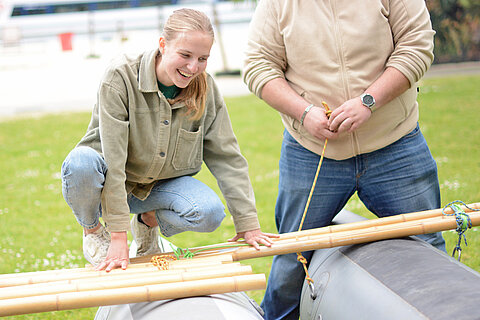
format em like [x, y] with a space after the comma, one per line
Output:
[399, 178]
[180, 204]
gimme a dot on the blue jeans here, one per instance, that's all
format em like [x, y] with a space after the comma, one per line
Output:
[399, 178]
[180, 204]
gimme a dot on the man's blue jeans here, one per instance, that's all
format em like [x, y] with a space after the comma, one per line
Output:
[399, 178]
[180, 204]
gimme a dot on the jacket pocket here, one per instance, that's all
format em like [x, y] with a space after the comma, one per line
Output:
[188, 150]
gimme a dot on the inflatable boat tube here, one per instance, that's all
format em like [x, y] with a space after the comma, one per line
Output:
[228, 306]
[391, 279]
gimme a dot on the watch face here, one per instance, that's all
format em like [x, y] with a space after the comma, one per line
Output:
[368, 100]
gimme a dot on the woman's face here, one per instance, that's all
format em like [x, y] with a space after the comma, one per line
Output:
[183, 58]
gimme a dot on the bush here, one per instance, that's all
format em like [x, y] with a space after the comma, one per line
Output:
[457, 23]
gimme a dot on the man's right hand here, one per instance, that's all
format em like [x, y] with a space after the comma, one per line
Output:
[316, 123]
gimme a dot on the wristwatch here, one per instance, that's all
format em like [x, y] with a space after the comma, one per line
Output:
[368, 100]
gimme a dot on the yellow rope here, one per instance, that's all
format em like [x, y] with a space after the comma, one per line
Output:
[300, 257]
[162, 262]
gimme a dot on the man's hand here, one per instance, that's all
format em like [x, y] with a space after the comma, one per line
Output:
[317, 124]
[349, 116]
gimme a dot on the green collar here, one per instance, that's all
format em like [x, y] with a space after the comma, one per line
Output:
[169, 92]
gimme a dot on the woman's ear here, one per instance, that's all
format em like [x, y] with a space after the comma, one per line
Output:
[161, 44]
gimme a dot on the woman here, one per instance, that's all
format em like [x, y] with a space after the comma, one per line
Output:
[157, 117]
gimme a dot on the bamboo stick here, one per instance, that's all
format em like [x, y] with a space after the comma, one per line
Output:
[121, 281]
[310, 235]
[39, 277]
[354, 237]
[216, 254]
[413, 216]
[400, 218]
[121, 275]
[85, 299]
[86, 287]
[126, 275]
[52, 272]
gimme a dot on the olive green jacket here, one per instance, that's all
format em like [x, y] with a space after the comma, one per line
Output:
[144, 139]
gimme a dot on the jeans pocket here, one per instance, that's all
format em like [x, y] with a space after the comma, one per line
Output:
[188, 150]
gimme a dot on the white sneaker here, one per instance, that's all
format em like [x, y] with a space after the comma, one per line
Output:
[95, 245]
[145, 237]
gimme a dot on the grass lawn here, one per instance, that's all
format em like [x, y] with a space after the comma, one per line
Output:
[40, 233]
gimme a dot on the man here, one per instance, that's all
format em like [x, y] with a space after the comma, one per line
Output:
[363, 60]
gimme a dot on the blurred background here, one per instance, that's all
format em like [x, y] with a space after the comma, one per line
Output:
[54, 52]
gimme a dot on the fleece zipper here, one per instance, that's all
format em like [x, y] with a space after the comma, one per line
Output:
[343, 70]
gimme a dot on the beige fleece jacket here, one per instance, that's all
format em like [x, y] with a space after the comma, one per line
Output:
[332, 51]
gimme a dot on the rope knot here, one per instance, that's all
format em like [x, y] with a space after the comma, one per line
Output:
[463, 223]
[328, 112]
[301, 259]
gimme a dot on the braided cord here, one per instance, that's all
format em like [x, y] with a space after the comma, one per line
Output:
[463, 223]
[300, 257]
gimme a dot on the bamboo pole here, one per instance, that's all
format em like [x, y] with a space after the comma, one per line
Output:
[284, 244]
[134, 262]
[211, 250]
[320, 235]
[121, 281]
[52, 272]
[39, 277]
[124, 275]
[357, 236]
[399, 218]
[86, 299]
[61, 290]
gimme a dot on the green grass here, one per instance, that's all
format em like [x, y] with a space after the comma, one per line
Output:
[40, 233]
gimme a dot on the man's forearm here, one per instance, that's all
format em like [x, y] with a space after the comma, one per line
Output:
[279, 95]
[388, 86]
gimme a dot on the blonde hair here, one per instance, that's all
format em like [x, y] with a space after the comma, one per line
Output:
[184, 20]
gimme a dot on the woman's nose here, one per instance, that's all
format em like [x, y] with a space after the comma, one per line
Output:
[192, 66]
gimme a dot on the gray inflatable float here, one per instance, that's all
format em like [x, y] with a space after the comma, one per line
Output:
[391, 279]
[229, 306]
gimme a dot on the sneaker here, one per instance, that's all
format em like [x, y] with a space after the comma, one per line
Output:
[145, 237]
[95, 245]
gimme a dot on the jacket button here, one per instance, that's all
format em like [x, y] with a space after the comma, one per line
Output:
[166, 122]
[162, 154]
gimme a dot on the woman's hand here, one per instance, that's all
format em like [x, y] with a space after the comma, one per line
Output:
[255, 238]
[117, 255]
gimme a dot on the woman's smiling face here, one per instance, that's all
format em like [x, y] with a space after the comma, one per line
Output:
[183, 58]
